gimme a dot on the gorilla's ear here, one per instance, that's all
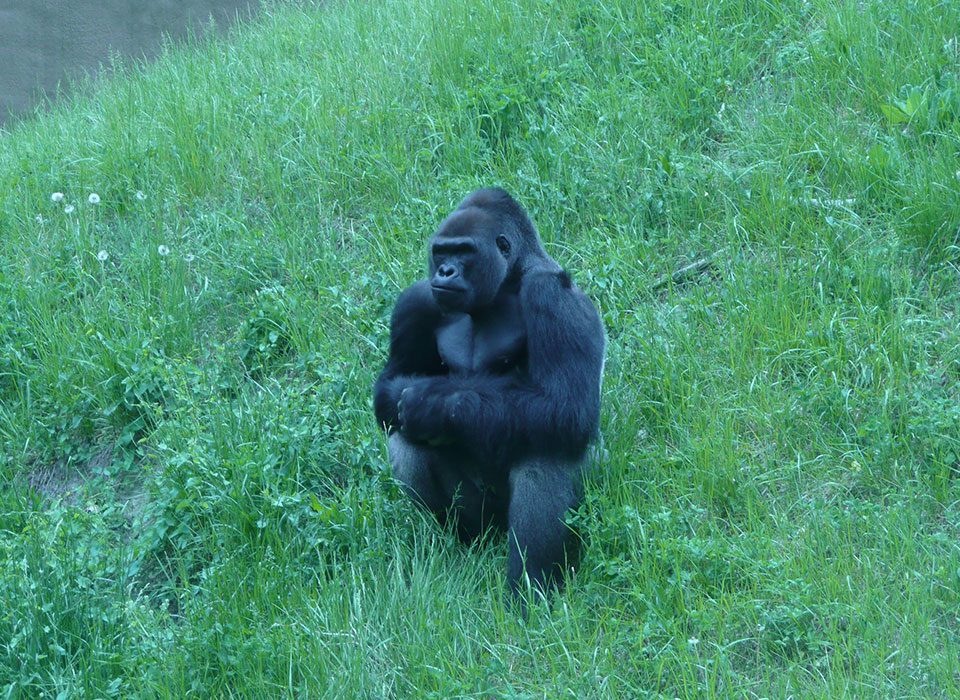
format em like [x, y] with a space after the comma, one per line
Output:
[565, 280]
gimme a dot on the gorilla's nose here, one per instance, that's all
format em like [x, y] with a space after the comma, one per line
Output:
[446, 271]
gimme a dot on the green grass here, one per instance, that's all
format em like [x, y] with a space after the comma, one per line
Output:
[194, 496]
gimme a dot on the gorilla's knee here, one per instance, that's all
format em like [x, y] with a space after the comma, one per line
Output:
[412, 468]
[410, 463]
[545, 486]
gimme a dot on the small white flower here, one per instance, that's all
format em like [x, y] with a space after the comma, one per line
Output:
[38, 218]
[68, 209]
[103, 255]
[56, 197]
[94, 198]
[693, 641]
[163, 250]
[188, 258]
[140, 195]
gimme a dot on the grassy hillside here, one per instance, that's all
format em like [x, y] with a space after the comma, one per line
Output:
[194, 496]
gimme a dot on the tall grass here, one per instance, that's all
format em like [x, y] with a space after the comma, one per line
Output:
[195, 499]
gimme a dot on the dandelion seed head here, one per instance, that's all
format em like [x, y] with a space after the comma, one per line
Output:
[140, 195]
[163, 250]
[38, 218]
[94, 198]
[103, 255]
[68, 209]
[56, 197]
[189, 257]
[693, 641]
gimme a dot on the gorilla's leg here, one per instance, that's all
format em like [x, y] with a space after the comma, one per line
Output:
[412, 467]
[541, 543]
[435, 479]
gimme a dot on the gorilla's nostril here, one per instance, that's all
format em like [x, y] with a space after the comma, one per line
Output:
[446, 270]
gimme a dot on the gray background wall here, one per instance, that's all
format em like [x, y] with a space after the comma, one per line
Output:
[44, 41]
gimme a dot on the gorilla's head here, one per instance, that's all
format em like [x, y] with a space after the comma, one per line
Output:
[486, 242]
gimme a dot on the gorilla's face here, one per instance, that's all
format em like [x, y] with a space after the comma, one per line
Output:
[470, 258]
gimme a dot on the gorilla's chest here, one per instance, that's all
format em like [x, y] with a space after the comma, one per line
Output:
[495, 342]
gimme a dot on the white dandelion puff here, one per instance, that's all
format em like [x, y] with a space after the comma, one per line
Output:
[38, 218]
[68, 209]
[693, 641]
[103, 255]
[163, 250]
[57, 197]
[189, 257]
[140, 195]
[94, 198]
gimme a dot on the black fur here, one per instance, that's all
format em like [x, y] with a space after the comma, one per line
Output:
[491, 392]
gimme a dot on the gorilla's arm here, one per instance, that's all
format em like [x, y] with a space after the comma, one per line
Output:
[553, 409]
[565, 344]
[413, 350]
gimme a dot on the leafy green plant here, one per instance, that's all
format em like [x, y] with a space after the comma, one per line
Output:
[265, 337]
[931, 107]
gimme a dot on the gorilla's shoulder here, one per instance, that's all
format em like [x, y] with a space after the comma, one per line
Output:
[552, 289]
[417, 296]
[416, 302]
[549, 279]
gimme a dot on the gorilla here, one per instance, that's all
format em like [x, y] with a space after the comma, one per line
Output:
[491, 392]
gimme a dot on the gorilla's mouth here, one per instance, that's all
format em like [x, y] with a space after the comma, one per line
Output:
[447, 296]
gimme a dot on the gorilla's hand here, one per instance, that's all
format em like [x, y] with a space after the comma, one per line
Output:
[388, 400]
[428, 415]
[421, 411]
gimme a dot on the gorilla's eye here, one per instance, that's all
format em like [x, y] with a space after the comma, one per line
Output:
[503, 245]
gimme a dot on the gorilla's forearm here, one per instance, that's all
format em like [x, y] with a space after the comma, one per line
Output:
[503, 414]
[529, 420]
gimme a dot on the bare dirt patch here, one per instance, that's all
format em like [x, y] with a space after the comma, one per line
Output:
[65, 483]
[62, 482]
